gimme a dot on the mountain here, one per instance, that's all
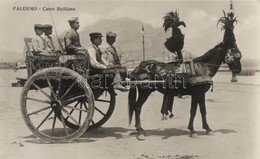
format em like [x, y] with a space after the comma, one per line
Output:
[129, 39]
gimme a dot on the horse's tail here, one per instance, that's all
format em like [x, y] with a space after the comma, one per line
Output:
[131, 103]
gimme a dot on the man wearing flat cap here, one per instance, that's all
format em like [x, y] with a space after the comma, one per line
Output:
[38, 42]
[72, 40]
[96, 60]
[98, 64]
[50, 47]
[109, 51]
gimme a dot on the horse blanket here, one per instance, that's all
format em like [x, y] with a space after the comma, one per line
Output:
[194, 72]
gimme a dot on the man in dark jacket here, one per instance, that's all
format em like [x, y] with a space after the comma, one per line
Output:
[72, 40]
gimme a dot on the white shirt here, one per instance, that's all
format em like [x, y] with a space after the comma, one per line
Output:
[92, 51]
[38, 44]
[107, 51]
[50, 47]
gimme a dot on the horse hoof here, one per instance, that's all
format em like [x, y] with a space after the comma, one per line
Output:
[194, 135]
[164, 118]
[209, 132]
[140, 137]
[171, 116]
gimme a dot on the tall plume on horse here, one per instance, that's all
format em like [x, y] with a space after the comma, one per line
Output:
[229, 39]
[175, 43]
[227, 22]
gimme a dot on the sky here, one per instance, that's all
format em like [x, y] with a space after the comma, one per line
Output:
[200, 16]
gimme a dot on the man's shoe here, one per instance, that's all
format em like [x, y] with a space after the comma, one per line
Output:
[121, 88]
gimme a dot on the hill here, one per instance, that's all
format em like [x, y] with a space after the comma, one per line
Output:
[129, 41]
[129, 38]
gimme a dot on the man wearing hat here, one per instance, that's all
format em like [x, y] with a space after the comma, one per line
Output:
[100, 65]
[72, 40]
[110, 54]
[38, 42]
[50, 47]
[96, 61]
[109, 51]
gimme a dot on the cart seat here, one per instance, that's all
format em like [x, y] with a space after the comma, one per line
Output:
[28, 43]
[78, 63]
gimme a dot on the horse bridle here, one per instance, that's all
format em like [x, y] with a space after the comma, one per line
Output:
[232, 55]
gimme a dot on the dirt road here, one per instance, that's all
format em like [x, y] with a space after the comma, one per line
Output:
[232, 110]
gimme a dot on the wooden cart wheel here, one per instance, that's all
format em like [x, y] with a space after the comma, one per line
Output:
[104, 108]
[54, 93]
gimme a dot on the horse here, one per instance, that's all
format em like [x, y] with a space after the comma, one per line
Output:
[224, 52]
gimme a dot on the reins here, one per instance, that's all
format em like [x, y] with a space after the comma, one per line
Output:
[210, 64]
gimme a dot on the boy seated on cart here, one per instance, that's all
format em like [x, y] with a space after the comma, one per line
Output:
[50, 47]
[43, 45]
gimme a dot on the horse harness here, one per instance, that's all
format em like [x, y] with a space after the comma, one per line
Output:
[192, 72]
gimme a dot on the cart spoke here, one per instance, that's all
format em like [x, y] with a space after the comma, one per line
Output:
[39, 100]
[63, 123]
[102, 100]
[72, 110]
[44, 119]
[72, 118]
[53, 124]
[92, 121]
[80, 112]
[42, 91]
[85, 105]
[73, 99]
[59, 86]
[50, 86]
[100, 111]
[38, 111]
[79, 109]
[68, 90]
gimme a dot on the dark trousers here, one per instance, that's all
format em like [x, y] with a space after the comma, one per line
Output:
[110, 71]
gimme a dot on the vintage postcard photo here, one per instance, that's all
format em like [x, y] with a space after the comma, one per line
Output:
[121, 79]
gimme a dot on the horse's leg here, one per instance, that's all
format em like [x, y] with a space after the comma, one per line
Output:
[180, 55]
[170, 104]
[142, 97]
[167, 105]
[203, 115]
[193, 109]
[164, 109]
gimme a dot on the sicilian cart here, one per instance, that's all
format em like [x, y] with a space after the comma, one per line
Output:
[58, 103]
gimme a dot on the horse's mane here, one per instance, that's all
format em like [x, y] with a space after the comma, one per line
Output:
[205, 57]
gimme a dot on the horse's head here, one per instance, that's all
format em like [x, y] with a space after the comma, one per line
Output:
[232, 58]
[233, 55]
